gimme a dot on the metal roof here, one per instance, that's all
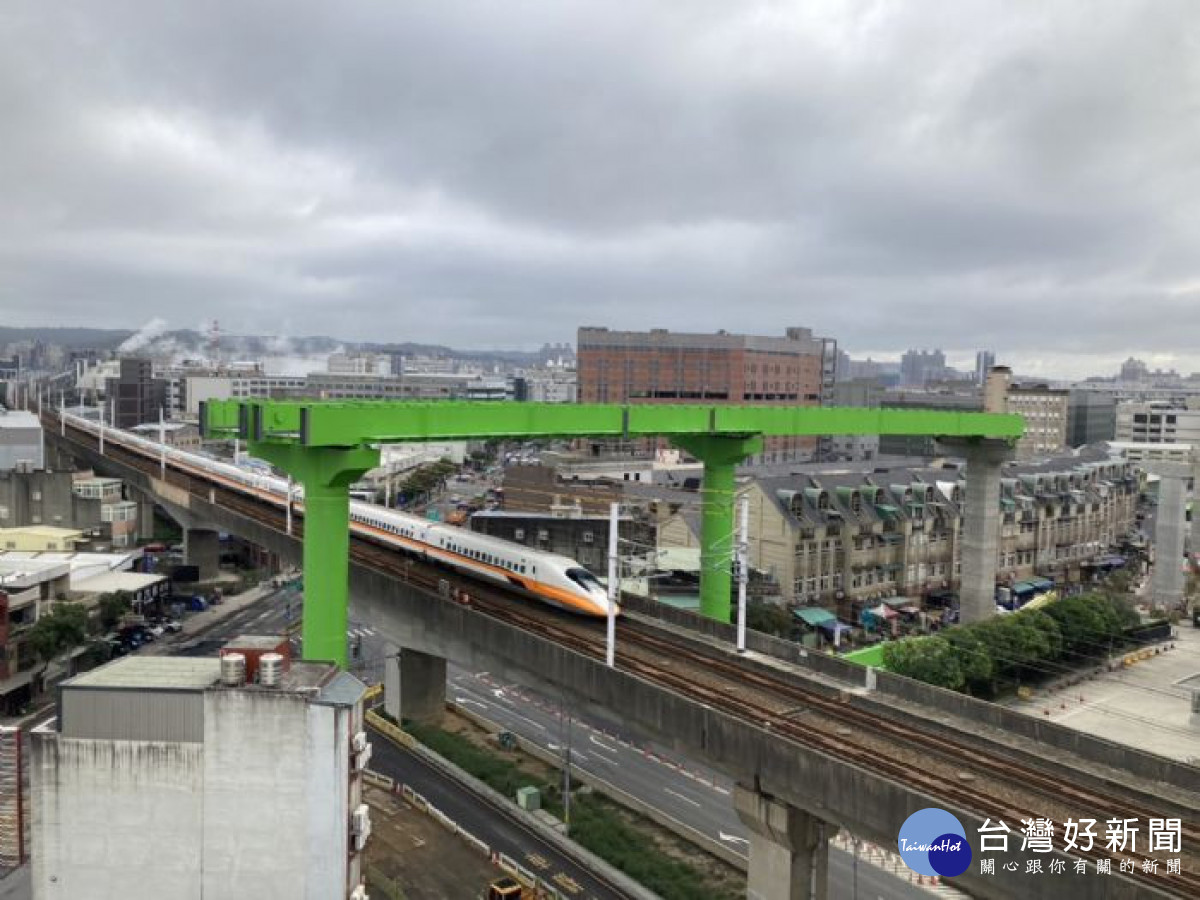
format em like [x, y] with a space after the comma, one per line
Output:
[162, 672]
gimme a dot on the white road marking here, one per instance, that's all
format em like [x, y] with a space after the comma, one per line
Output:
[463, 701]
[681, 797]
[603, 746]
[733, 838]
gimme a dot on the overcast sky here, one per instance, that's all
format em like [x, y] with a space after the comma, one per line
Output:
[1015, 175]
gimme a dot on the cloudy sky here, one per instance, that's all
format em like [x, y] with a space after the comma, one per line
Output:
[1016, 175]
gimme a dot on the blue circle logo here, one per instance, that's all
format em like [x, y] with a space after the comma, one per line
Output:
[933, 842]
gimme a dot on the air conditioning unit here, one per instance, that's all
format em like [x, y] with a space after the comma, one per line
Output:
[360, 821]
[359, 893]
[359, 742]
[359, 760]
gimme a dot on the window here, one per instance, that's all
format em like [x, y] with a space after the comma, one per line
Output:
[519, 534]
[587, 537]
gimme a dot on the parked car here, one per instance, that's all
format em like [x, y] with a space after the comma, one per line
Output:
[172, 626]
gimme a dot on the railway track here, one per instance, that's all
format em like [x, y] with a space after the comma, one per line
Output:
[983, 782]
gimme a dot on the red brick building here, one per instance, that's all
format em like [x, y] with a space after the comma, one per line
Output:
[661, 366]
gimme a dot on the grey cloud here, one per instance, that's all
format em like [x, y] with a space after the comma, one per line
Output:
[890, 173]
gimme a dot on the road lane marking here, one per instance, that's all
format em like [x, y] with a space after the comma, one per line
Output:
[603, 746]
[682, 797]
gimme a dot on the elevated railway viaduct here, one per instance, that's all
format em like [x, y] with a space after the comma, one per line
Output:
[811, 752]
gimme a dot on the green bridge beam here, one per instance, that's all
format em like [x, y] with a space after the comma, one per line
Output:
[328, 445]
[349, 424]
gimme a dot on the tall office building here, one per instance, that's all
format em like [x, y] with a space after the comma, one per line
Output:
[660, 366]
[135, 395]
[984, 361]
[919, 367]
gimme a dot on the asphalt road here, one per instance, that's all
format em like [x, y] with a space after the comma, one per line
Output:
[491, 825]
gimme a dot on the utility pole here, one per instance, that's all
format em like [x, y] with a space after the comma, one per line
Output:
[566, 717]
[743, 569]
[614, 586]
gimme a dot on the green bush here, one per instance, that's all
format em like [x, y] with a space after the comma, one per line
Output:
[1031, 643]
[933, 660]
[498, 773]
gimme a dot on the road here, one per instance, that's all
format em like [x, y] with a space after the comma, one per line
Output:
[499, 831]
[684, 790]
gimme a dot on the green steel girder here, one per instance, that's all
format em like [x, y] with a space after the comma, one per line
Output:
[328, 445]
[349, 424]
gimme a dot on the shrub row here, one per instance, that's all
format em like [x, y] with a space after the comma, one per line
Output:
[1029, 644]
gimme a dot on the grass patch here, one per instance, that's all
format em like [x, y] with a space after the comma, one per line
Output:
[597, 824]
[379, 885]
[498, 773]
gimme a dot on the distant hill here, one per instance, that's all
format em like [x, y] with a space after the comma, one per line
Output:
[75, 338]
[186, 342]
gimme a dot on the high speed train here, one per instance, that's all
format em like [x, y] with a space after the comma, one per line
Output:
[546, 577]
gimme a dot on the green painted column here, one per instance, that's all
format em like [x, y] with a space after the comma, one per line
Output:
[326, 474]
[720, 455]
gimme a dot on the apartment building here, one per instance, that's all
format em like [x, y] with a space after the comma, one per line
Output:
[28, 587]
[853, 538]
[1045, 412]
[1159, 423]
[661, 366]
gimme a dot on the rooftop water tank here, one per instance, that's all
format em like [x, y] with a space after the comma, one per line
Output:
[233, 670]
[270, 669]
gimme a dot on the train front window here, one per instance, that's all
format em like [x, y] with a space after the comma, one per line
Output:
[585, 579]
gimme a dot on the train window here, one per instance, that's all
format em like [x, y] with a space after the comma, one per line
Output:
[584, 579]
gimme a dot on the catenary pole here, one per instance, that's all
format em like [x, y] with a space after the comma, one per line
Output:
[614, 587]
[743, 567]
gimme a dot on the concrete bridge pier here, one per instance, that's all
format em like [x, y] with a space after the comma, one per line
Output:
[414, 685]
[789, 848]
[981, 524]
[202, 548]
[1167, 581]
[145, 518]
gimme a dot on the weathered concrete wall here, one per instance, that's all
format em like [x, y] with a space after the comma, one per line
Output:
[123, 817]
[274, 797]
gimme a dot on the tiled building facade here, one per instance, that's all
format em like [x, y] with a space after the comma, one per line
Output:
[661, 366]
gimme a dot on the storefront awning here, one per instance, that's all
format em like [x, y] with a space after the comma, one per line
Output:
[814, 616]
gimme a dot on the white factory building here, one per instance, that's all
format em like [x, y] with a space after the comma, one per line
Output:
[166, 778]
